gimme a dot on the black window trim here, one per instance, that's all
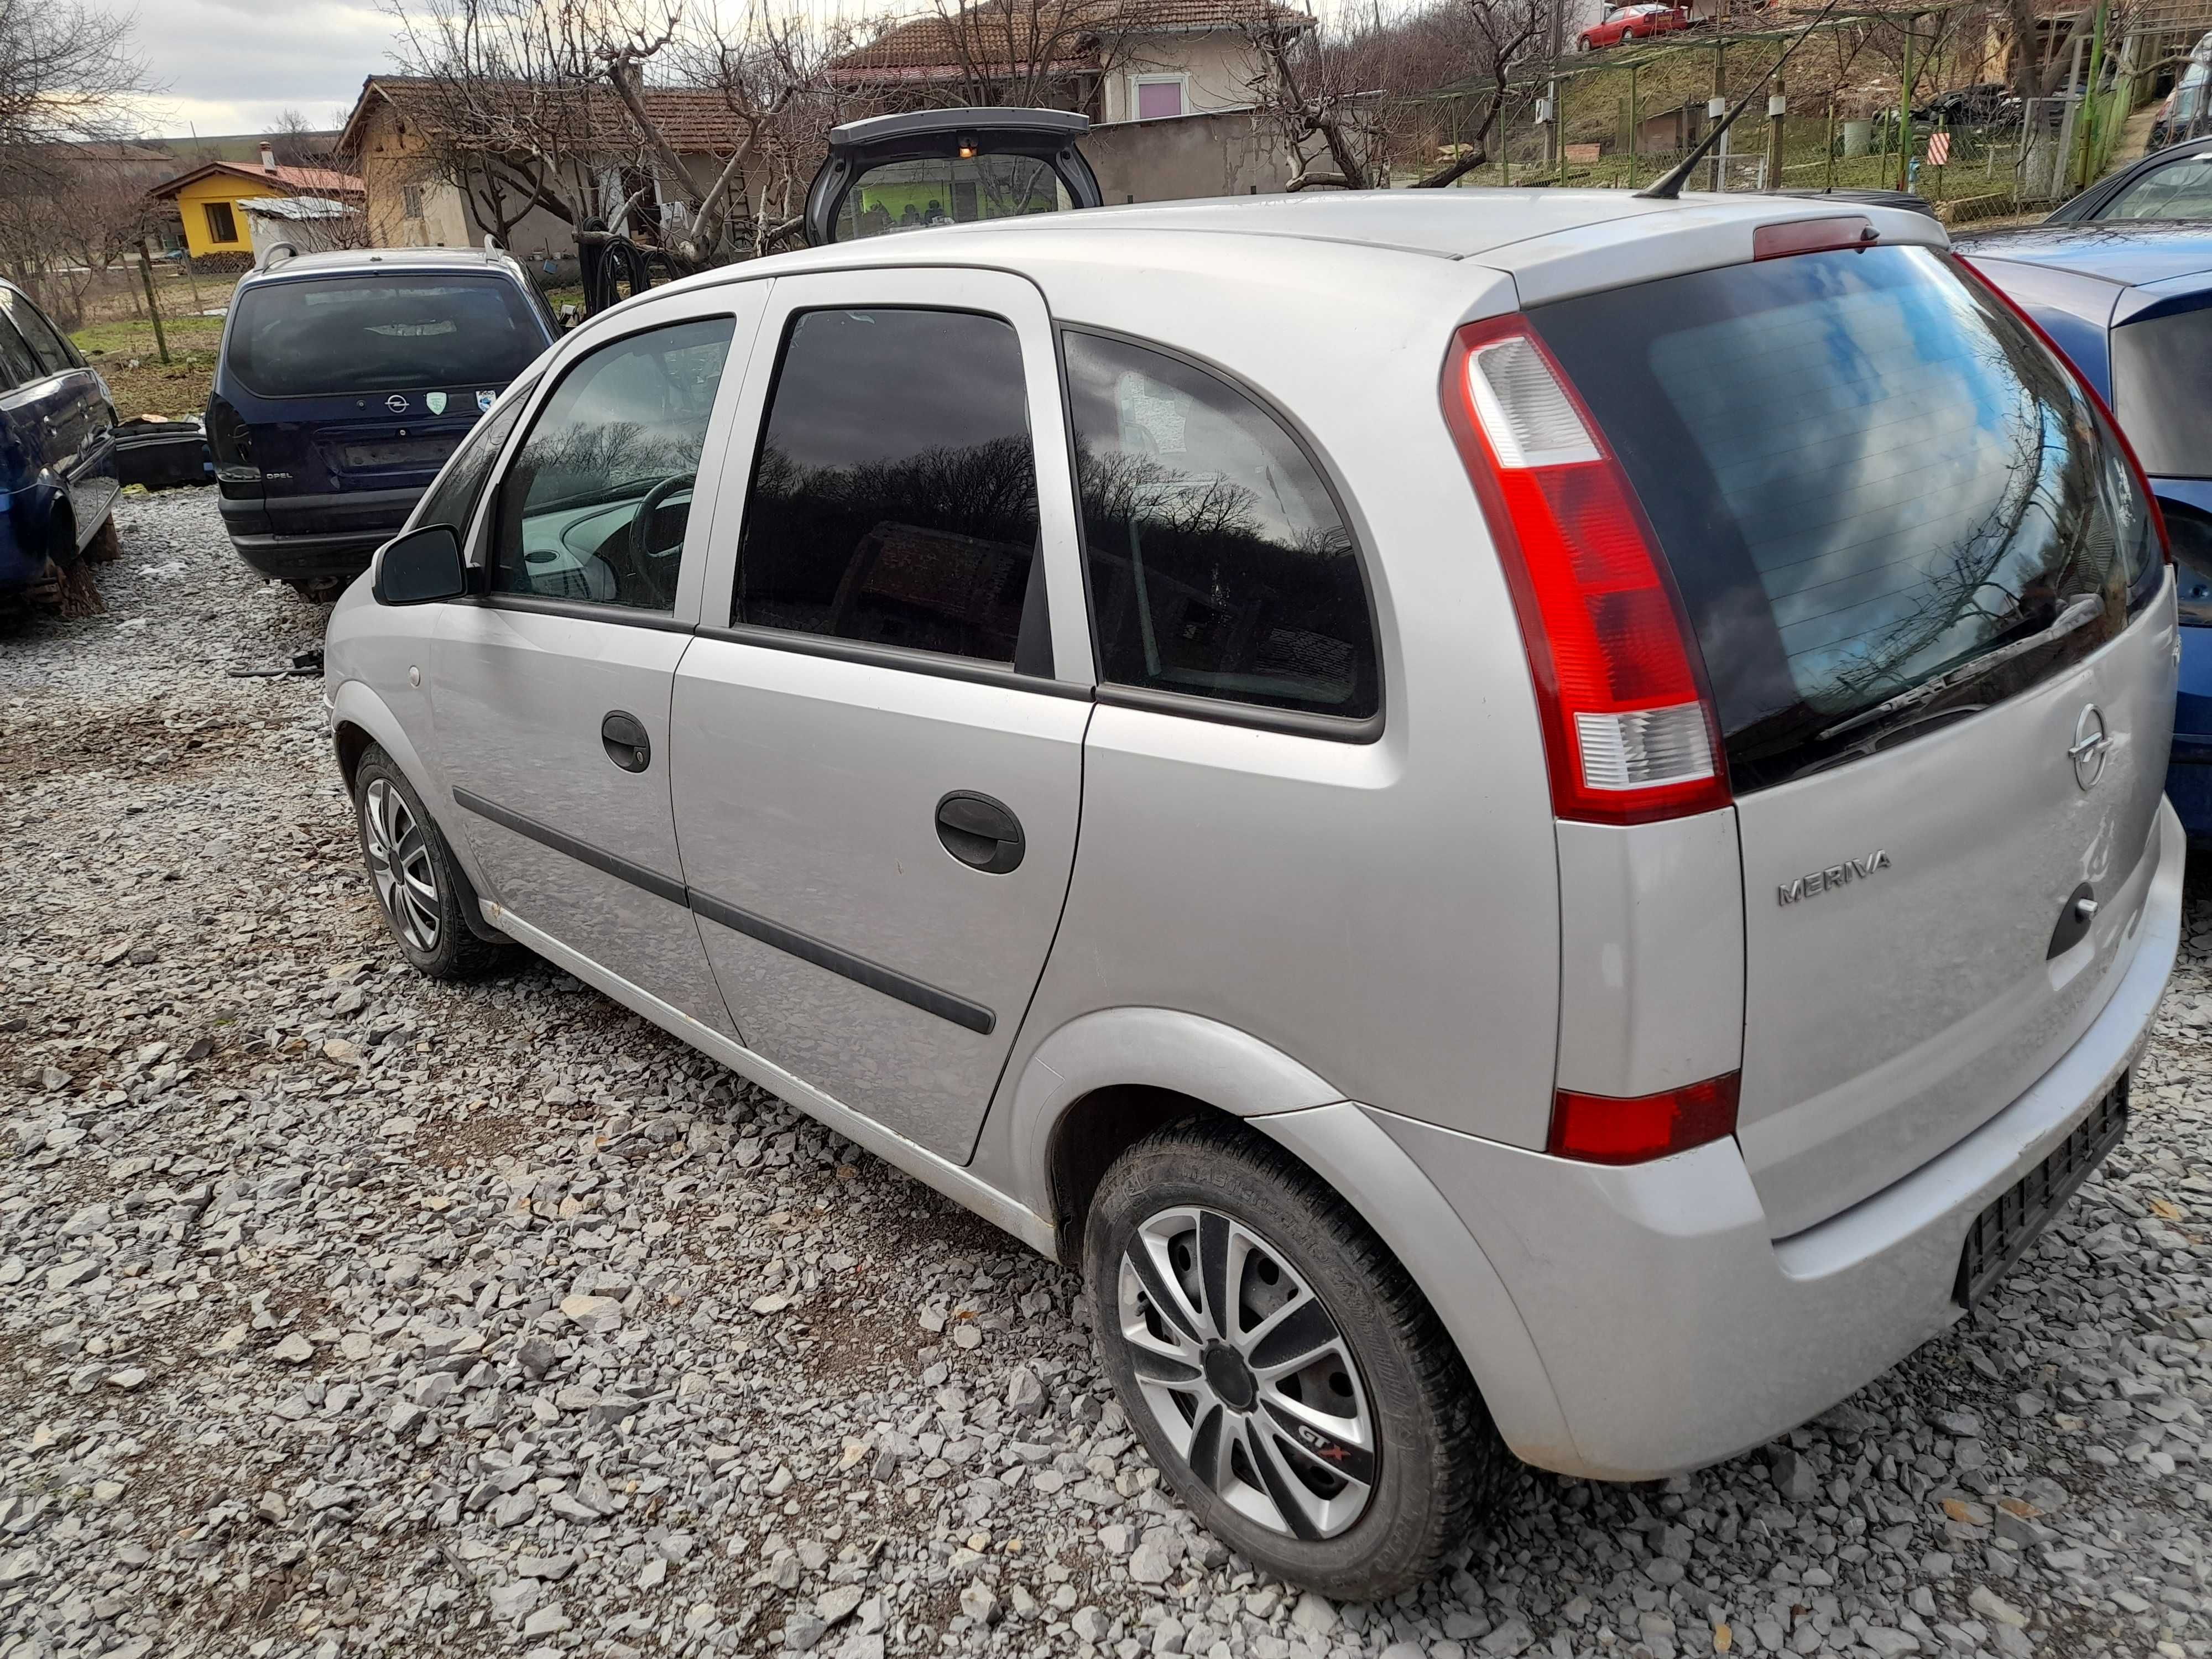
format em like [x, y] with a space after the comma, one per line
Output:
[942, 664]
[485, 526]
[1223, 711]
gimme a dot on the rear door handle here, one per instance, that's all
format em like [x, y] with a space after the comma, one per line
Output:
[623, 737]
[980, 832]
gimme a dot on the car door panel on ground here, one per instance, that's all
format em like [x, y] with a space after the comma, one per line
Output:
[876, 807]
[551, 691]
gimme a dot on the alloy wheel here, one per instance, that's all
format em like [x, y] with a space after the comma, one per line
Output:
[1247, 1373]
[399, 863]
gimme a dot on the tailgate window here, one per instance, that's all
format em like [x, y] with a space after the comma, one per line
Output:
[355, 334]
[1882, 501]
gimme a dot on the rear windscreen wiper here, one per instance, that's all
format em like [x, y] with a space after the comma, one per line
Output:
[2077, 615]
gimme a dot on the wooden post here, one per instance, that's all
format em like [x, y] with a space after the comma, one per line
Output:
[146, 276]
[1905, 109]
[1635, 126]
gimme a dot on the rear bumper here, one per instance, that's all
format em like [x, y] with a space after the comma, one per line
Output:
[299, 538]
[1675, 1331]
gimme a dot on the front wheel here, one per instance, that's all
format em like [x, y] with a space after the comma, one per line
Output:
[420, 889]
[1287, 1376]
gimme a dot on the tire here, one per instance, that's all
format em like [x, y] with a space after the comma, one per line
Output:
[420, 890]
[1398, 1458]
[319, 590]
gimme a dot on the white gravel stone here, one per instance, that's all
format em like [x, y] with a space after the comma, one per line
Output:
[233, 1130]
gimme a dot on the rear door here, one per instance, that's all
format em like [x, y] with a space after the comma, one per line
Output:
[877, 769]
[1941, 647]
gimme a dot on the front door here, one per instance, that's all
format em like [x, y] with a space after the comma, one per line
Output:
[551, 691]
[878, 730]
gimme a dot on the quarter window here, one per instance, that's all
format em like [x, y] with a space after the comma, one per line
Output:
[894, 496]
[452, 498]
[17, 366]
[1219, 564]
[46, 345]
[596, 504]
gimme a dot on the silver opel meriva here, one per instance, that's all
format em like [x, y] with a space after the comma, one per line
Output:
[1527, 823]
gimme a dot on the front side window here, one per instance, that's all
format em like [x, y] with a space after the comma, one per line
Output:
[894, 494]
[221, 224]
[17, 366]
[1219, 564]
[350, 335]
[598, 497]
[451, 501]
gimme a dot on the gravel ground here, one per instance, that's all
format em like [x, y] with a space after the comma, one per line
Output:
[344, 1313]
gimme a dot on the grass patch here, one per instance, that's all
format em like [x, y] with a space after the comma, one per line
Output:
[179, 387]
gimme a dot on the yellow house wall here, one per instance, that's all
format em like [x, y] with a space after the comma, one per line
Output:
[191, 207]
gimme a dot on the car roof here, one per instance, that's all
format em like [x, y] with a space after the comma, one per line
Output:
[2130, 251]
[371, 261]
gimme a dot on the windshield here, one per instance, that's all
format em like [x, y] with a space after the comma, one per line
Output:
[1865, 475]
[381, 333]
[947, 191]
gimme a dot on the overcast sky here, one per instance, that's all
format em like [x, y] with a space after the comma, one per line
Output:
[230, 66]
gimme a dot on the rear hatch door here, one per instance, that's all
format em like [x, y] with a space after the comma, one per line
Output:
[1936, 627]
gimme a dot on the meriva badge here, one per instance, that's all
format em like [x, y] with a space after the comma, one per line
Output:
[1812, 885]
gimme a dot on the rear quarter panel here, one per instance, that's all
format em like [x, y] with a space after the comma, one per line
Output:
[1385, 914]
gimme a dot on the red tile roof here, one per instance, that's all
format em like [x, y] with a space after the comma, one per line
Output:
[306, 181]
[694, 120]
[924, 45]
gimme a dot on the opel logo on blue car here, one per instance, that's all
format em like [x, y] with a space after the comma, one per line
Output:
[397, 404]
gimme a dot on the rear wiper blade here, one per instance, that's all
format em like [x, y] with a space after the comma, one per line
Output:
[2076, 616]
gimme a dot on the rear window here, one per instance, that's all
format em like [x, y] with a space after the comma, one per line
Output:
[1867, 479]
[357, 334]
[2161, 366]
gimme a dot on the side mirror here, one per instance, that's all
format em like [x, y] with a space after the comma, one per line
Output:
[421, 566]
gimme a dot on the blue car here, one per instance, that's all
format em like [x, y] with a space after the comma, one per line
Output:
[56, 454]
[2131, 302]
[344, 381]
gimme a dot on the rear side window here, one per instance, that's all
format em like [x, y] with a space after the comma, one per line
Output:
[1219, 565]
[894, 494]
[2179, 189]
[356, 334]
[17, 366]
[453, 499]
[2161, 366]
[54, 355]
[1866, 476]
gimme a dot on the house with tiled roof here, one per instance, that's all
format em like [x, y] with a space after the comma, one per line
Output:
[397, 135]
[210, 198]
[1114, 60]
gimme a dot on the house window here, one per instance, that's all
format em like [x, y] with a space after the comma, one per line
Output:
[1159, 95]
[410, 201]
[221, 224]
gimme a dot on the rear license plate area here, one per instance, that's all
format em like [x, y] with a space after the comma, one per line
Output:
[419, 453]
[2002, 1232]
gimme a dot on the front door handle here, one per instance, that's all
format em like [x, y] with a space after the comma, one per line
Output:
[623, 737]
[980, 832]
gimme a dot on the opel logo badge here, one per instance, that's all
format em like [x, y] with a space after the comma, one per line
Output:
[396, 403]
[2092, 743]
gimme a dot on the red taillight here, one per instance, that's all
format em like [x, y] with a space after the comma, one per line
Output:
[1629, 730]
[1605, 1129]
[1982, 280]
[1812, 236]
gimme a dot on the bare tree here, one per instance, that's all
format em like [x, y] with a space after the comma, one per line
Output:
[1035, 53]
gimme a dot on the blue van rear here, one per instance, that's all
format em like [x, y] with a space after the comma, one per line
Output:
[345, 381]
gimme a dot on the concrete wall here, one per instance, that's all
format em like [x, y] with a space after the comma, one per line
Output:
[1216, 66]
[1226, 153]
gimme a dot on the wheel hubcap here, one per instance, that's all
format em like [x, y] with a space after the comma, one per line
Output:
[399, 863]
[1246, 1373]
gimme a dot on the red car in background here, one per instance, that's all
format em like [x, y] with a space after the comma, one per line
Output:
[1638, 22]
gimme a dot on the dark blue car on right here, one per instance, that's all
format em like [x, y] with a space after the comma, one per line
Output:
[344, 381]
[2131, 302]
